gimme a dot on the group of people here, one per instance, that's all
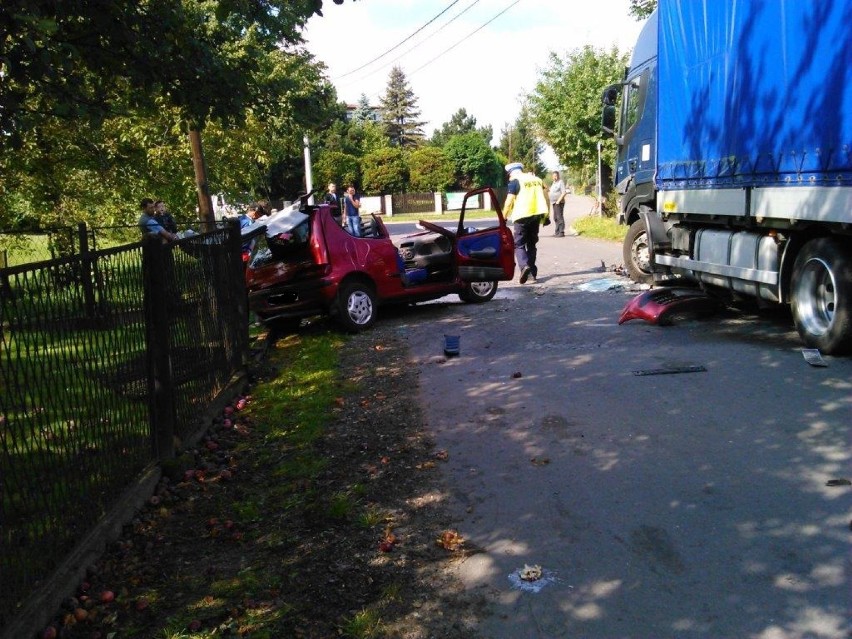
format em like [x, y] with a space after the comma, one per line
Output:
[351, 206]
[527, 208]
[155, 219]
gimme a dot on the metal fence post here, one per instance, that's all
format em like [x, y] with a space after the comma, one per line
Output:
[86, 265]
[161, 398]
[234, 248]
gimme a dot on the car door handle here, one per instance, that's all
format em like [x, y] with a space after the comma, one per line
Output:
[486, 253]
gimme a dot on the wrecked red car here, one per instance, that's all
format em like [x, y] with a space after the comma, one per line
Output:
[305, 263]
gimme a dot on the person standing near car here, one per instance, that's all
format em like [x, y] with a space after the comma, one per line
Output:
[352, 204]
[526, 208]
[557, 204]
[333, 200]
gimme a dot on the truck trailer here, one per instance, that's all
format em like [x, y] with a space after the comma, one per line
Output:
[734, 155]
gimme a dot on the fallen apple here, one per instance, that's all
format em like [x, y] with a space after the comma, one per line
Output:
[48, 633]
[107, 596]
[81, 614]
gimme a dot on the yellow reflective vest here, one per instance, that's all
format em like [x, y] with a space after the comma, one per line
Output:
[530, 200]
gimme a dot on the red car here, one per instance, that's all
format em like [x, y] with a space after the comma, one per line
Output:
[305, 263]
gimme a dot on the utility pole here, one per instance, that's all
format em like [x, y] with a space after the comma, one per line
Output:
[205, 203]
[309, 175]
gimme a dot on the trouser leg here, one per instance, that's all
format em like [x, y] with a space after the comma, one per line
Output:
[520, 233]
[559, 219]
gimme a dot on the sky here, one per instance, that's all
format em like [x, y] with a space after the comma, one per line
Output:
[480, 55]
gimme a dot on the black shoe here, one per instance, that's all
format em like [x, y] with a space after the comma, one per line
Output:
[525, 274]
[559, 235]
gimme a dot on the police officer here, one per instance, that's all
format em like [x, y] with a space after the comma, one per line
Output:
[526, 208]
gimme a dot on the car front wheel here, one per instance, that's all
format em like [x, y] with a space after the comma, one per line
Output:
[356, 306]
[478, 292]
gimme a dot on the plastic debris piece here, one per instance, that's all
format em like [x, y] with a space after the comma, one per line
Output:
[814, 357]
[671, 371]
[452, 345]
[838, 482]
[604, 284]
[662, 306]
[546, 578]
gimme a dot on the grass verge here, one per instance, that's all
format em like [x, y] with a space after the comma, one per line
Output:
[602, 228]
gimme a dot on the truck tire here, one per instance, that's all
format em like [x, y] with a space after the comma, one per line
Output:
[636, 253]
[356, 306]
[821, 296]
[478, 292]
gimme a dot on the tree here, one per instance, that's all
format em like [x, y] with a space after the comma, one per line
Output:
[460, 123]
[518, 143]
[363, 112]
[399, 112]
[566, 105]
[640, 9]
[74, 71]
[385, 171]
[337, 167]
[474, 162]
[430, 170]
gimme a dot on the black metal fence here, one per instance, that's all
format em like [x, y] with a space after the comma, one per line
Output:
[107, 360]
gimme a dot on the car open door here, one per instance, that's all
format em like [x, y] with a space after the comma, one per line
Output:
[484, 254]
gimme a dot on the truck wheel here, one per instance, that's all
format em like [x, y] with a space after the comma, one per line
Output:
[821, 296]
[356, 306]
[478, 292]
[637, 254]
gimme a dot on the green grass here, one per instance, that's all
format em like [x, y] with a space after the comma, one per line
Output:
[602, 228]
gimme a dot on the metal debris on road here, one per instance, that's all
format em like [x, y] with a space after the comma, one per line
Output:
[838, 482]
[671, 371]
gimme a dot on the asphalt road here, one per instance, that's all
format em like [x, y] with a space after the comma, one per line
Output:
[677, 505]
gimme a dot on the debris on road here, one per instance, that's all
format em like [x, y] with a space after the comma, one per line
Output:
[662, 305]
[517, 375]
[604, 284]
[530, 573]
[452, 345]
[838, 482]
[674, 370]
[814, 357]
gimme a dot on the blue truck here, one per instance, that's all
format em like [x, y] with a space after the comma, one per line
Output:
[733, 126]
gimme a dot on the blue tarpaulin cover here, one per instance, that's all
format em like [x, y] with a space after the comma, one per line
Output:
[754, 92]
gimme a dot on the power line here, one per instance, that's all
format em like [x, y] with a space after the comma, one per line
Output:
[396, 46]
[412, 48]
[445, 51]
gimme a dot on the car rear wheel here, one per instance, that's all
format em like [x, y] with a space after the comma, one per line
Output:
[478, 292]
[356, 306]
[821, 296]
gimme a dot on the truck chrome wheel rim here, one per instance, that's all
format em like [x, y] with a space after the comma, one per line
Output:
[360, 307]
[639, 248]
[816, 297]
[481, 288]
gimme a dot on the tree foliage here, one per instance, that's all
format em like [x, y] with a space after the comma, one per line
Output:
[399, 112]
[641, 9]
[97, 96]
[337, 167]
[460, 122]
[519, 143]
[566, 106]
[430, 170]
[384, 171]
[474, 162]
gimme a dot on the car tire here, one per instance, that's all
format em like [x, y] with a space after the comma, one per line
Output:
[356, 306]
[636, 254]
[821, 296]
[478, 292]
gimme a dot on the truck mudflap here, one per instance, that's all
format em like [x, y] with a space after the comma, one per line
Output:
[662, 306]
